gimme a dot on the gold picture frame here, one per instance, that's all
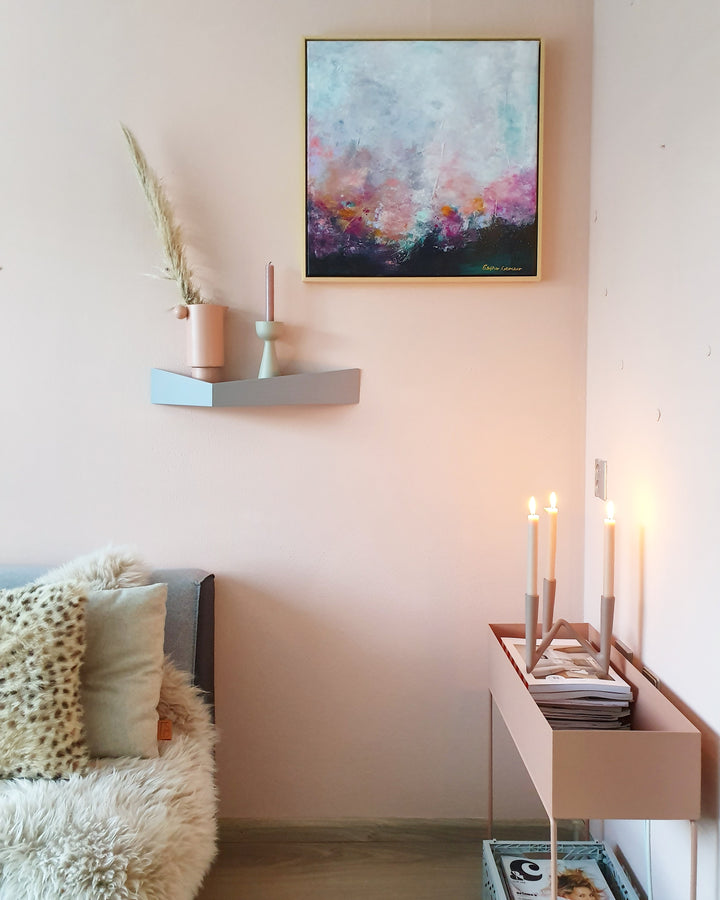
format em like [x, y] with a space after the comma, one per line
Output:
[423, 159]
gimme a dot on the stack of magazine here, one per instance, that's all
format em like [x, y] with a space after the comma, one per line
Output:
[527, 878]
[570, 689]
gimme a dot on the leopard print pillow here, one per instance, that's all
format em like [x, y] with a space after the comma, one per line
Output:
[42, 644]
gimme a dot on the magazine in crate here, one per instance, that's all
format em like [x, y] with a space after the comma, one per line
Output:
[578, 879]
[566, 668]
[570, 689]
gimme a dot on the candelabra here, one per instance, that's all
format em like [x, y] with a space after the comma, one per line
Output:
[550, 629]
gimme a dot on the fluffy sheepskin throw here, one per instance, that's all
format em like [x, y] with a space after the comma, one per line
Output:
[129, 828]
[103, 570]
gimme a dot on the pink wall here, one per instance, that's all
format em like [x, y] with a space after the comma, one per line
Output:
[653, 385]
[359, 551]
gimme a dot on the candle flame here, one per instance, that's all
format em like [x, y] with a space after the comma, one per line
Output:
[553, 501]
[610, 509]
[531, 506]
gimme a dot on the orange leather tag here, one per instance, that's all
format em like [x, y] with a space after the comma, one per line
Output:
[164, 730]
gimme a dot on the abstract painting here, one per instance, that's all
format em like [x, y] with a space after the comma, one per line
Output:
[422, 159]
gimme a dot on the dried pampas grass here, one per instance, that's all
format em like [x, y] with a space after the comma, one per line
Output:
[170, 232]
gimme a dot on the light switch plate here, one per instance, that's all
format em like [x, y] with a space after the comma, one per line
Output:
[601, 478]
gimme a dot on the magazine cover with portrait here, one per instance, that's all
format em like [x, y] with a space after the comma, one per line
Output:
[578, 879]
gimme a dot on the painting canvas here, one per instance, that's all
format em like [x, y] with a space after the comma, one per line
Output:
[422, 159]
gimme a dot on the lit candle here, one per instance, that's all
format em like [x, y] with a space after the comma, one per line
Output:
[552, 544]
[609, 552]
[269, 292]
[532, 550]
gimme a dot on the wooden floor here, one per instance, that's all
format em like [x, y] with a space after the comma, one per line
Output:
[432, 864]
[346, 871]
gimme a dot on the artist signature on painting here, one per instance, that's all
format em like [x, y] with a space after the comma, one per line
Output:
[488, 268]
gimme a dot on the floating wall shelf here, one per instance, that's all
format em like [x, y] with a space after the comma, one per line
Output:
[312, 389]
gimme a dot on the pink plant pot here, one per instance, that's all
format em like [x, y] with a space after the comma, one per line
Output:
[206, 340]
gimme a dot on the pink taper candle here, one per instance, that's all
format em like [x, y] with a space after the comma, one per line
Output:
[269, 292]
[552, 543]
[532, 550]
[609, 552]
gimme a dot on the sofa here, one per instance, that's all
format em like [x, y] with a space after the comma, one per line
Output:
[119, 660]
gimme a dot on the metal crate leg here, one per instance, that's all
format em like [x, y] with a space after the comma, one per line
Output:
[553, 858]
[490, 772]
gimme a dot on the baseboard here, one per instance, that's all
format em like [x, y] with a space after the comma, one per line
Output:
[319, 831]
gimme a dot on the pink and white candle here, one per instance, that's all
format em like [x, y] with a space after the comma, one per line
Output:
[552, 541]
[609, 552]
[532, 550]
[269, 292]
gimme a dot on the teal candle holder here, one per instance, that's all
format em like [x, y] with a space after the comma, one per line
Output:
[268, 332]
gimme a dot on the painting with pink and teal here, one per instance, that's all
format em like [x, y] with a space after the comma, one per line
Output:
[422, 158]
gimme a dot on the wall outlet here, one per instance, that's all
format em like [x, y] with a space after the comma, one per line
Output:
[651, 676]
[601, 478]
[624, 649]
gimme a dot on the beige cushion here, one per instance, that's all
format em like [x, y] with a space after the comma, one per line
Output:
[122, 673]
[42, 640]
